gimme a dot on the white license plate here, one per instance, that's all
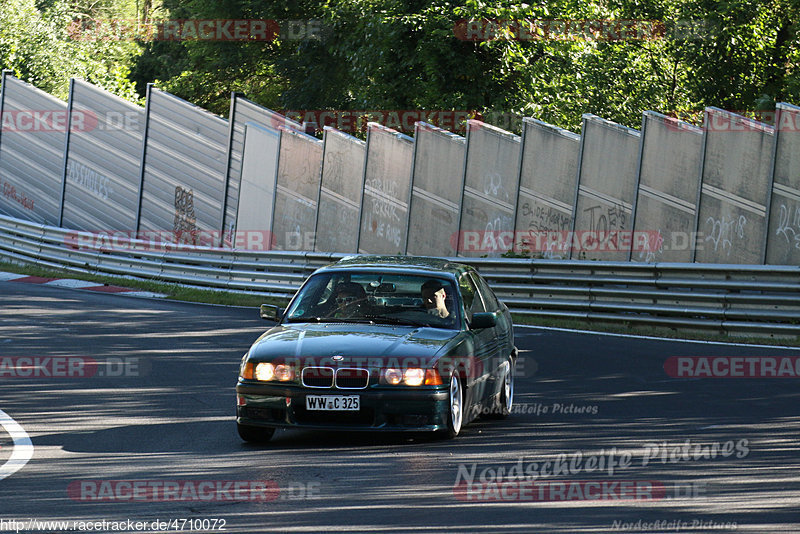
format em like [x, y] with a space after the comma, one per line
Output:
[344, 403]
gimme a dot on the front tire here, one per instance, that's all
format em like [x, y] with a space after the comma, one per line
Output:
[255, 434]
[455, 417]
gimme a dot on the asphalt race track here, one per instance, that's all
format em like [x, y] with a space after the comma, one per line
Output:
[128, 404]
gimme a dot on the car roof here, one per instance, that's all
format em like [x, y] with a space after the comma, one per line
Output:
[406, 264]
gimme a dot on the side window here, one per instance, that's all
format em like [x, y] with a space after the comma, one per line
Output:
[489, 299]
[470, 296]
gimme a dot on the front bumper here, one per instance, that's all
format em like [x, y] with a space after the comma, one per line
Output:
[381, 408]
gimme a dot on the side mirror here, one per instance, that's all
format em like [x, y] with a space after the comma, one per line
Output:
[483, 320]
[270, 312]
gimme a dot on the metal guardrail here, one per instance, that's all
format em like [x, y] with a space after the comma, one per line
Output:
[734, 299]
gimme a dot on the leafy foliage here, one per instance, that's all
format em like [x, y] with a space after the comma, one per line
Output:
[41, 47]
[417, 54]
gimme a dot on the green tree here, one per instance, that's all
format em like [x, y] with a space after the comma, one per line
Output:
[44, 48]
[413, 54]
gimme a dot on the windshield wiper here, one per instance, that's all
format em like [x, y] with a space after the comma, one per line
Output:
[397, 320]
[302, 319]
[369, 319]
[356, 320]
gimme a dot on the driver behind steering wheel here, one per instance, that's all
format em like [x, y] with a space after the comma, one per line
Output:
[350, 299]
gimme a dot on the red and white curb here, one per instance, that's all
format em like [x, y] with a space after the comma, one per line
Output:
[77, 284]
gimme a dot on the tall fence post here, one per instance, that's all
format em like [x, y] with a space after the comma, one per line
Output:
[226, 187]
[635, 204]
[66, 154]
[2, 102]
[143, 157]
[771, 184]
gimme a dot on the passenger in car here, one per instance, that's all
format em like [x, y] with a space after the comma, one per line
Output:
[433, 298]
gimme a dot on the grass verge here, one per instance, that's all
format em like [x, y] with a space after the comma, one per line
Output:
[656, 331]
[173, 291]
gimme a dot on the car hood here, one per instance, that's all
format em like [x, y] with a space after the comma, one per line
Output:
[375, 345]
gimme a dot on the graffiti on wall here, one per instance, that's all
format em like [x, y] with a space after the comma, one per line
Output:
[185, 221]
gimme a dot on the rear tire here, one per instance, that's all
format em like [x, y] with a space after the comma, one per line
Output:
[255, 434]
[507, 393]
[506, 398]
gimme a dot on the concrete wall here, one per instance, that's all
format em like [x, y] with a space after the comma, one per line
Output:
[387, 191]
[436, 195]
[103, 162]
[606, 190]
[99, 163]
[491, 180]
[735, 189]
[297, 191]
[34, 130]
[242, 112]
[185, 162]
[256, 202]
[340, 192]
[548, 177]
[783, 236]
[669, 178]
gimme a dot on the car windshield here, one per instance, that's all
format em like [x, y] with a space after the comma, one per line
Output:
[376, 298]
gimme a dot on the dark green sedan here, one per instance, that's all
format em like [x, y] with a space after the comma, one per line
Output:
[380, 343]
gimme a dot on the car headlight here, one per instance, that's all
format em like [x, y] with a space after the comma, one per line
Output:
[284, 373]
[412, 376]
[265, 372]
[392, 376]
